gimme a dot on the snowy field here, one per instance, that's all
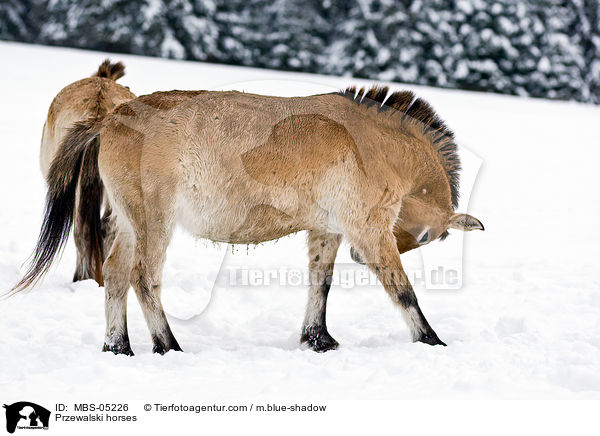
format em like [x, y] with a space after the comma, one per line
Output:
[524, 324]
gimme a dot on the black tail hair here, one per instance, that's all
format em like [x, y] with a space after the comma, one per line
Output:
[76, 161]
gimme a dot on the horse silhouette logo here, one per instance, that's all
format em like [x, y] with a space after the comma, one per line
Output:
[26, 415]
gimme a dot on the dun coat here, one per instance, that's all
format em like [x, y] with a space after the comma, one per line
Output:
[89, 98]
[379, 170]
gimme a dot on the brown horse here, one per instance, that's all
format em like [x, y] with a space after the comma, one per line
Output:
[92, 97]
[243, 168]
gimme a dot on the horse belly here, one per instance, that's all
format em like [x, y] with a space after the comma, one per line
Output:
[238, 215]
[259, 184]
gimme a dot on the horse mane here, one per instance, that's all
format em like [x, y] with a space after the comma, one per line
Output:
[416, 111]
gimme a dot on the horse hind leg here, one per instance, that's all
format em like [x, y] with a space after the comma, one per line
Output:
[109, 230]
[85, 261]
[378, 249]
[145, 278]
[322, 249]
[116, 271]
[153, 235]
[81, 235]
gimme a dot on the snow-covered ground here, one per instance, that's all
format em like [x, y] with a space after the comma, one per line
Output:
[524, 324]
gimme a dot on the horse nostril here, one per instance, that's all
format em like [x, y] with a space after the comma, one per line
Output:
[424, 238]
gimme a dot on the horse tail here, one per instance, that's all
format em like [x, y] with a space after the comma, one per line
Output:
[111, 71]
[76, 161]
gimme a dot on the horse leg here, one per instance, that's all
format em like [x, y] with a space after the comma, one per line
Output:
[116, 280]
[378, 249]
[322, 249]
[81, 234]
[109, 230]
[152, 240]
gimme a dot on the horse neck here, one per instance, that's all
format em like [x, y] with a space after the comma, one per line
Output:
[416, 160]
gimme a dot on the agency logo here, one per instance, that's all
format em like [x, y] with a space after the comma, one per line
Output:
[26, 415]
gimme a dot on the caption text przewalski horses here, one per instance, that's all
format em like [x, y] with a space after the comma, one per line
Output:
[243, 168]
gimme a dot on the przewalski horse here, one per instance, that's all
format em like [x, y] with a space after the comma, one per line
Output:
[92, 97]
[244, 168]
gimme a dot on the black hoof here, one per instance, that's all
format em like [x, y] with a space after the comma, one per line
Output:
[430, 338]
[120, 347]
[161, 348]
[318, 339]
[80, 276]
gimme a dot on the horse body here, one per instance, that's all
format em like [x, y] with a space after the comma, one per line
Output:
[92, 97]
[243, 168]
[288, 165]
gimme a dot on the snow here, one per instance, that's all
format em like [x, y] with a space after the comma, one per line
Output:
[524, 324]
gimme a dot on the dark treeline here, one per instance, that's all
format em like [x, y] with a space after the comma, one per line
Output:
[540, 48]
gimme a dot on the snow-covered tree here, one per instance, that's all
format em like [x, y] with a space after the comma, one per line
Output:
[541, 48]
[18, 20]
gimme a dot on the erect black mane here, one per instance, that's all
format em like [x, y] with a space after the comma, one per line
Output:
[416, 111]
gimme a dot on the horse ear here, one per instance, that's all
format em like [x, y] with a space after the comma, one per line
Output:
[465, 222]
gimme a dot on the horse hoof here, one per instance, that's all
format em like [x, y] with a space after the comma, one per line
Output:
[318, 339]
[118, 348]
[161, 348]
[79, 276]
[431, 338]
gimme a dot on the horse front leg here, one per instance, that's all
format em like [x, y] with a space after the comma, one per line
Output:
[322, 249]
[378, 249]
